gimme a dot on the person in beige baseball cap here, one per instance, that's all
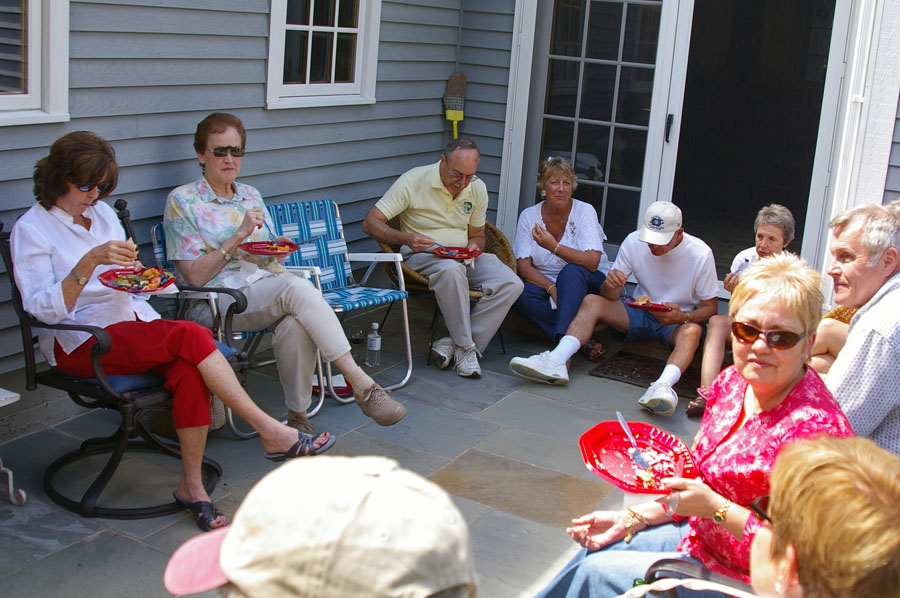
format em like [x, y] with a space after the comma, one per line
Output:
[334, 527]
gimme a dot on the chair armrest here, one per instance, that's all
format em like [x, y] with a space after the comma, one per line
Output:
[375, 257]
[680, 568]
[305, 271]
[237, 306]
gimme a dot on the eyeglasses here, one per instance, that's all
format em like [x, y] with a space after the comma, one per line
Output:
[458, 176]
[760, 507]
[101, 187]
[219, 152]
[775, 339]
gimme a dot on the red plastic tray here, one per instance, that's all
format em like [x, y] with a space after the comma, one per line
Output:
[649, 306]
[107, 279]
[455, 253]
[264, 248]
[607, 452]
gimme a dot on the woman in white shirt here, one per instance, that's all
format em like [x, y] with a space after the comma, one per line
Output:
[60, 246]
[559, 251]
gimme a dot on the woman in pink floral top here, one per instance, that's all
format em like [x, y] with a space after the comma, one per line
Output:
[769, 398]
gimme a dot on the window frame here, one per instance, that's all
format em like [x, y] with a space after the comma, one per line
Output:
[300, 95]
[47, 99]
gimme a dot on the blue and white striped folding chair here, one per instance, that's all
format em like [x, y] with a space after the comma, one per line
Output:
[317, 228]
[223, 332]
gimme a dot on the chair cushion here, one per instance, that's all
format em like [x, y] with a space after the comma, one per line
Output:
[350, 298]
[128, 382]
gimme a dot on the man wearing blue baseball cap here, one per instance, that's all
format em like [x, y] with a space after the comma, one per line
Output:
[677, 288]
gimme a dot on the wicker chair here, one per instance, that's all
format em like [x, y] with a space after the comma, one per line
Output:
[417, 284]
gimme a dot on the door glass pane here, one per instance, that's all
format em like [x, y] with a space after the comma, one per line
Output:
[320, 57]
[641, 33]
[298, 12]
[603, 30]
[13, 55]
[568, 23]
[295, 56]
[592, 90]
[752, 100]
[597, 91]
[562, 87]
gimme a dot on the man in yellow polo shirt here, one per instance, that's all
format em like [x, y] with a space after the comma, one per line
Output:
[444, 204]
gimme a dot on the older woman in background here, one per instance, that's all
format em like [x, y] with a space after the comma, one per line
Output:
[831, 522]
[206, 220]
[767, 399]
[774, 229]
[60, 246]
[559, 251]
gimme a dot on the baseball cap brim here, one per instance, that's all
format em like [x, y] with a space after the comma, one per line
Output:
[655, 237]
[194, 567]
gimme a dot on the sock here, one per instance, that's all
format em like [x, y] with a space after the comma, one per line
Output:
[567, 347]
[358, 379]
[670, 374]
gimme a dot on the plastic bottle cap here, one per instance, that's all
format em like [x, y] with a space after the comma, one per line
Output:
[374, 325]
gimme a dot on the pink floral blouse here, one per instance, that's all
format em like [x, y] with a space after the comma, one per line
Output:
[738, 466]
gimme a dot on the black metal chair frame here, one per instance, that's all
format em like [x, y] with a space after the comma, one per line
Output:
[678, 568]
[134, 407]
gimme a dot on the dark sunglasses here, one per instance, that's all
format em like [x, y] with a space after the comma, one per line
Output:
[776, 339]
[101, 187]
[760, 507]
[219, 152]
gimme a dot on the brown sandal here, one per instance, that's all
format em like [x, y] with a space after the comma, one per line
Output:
[592, 350]
[696, 407]
[299, 421]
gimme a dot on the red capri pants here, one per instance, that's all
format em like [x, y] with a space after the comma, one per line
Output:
[172, 349]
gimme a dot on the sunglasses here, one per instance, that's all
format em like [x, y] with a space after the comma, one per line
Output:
[101, 187]
[760, 507]
[219, 152]
[775, 339]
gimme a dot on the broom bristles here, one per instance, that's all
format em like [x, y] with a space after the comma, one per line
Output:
[454, 103]
[456, 85]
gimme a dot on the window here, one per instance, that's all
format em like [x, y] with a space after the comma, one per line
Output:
[34, 61]
[322, 52]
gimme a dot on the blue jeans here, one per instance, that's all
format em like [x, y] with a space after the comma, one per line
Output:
[611, 571]
[572, 284]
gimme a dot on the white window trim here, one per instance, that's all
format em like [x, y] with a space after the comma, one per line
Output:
[279, 95]
[52, 60]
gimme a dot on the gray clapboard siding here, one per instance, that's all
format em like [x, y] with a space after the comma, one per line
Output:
[163, 45]
[892, 182]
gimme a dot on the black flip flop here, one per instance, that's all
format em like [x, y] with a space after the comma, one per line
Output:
[304, 447]
[204, 512]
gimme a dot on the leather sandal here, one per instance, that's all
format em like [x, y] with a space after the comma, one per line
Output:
[204, 512]
[697, 406]
[304, 447]
[592, 350]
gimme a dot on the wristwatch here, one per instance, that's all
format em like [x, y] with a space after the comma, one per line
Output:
[81, 280]
[225, 254]
[719, 515]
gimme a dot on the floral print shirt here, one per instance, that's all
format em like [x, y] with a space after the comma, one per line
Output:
[736, 463]
[197, 221]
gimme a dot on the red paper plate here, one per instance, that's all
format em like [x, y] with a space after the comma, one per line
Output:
[607, 452]
[455, 253]
[133, 284]
[649, 306]
[342, 391]
[268, 248]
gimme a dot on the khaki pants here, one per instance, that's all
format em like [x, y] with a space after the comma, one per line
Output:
[300, 321]
[450, 280]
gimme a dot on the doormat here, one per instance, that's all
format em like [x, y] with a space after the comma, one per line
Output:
[641, 370]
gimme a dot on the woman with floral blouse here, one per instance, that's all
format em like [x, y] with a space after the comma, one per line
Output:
[559, 251]
[767, 399]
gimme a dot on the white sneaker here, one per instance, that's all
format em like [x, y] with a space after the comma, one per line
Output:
[540, 368]
[467, 362]
[442, 352]
[659, 399]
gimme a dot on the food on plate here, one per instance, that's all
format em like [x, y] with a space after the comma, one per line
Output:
[642, 300]
[148, 280]
[277, 247]
[661, 466]
[645, 477]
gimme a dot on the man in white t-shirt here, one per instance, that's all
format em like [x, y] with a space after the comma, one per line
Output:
[672, 268]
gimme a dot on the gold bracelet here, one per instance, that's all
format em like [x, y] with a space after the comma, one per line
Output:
[722, 512]
[639, 517]
[629, 519]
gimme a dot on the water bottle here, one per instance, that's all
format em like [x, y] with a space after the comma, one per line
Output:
[373, 347]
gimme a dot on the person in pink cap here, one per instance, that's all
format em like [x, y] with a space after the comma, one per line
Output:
[672, 268]
[372, 530]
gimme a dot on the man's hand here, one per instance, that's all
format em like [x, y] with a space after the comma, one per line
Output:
[419, 242]
[731, 281]
[616, 279]
[673, 316]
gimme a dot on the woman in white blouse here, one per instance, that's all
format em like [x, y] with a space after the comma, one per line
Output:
[60, 246]
[559, 251]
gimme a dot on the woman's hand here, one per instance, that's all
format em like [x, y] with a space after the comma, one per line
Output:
[253, 218]
[598, 529]
[731, 281]
[111, 253]
[543, 237]
[691, 497]
[552, 292]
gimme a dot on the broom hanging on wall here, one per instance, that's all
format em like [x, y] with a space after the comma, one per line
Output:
[455, 99]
